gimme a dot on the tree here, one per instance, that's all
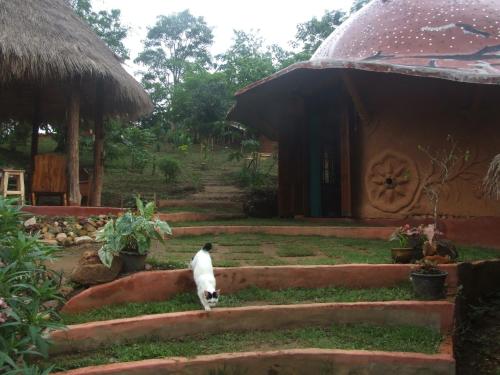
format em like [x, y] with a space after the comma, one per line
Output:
[200, 103]
[357, 5]
[312, 33]
[106, 25]
[246, 61]
[175, 43]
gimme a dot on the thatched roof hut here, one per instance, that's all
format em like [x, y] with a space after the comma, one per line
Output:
[44, 44]
[54, 68]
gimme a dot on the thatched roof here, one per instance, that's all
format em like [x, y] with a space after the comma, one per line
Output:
[46, 47]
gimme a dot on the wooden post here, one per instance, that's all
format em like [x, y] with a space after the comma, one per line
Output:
[356, 98]
[98, 173]
[35, 126]
[73, 158]
[345, 162]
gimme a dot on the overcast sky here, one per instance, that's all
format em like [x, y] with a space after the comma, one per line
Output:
[276, 20]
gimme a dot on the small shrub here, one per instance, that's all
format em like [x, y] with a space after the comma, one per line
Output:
[26, 287]
[170, 169]
[261, 202]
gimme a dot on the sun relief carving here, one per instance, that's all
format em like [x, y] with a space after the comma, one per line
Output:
[391, 181]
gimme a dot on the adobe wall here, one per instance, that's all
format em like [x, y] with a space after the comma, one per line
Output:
[406, 112]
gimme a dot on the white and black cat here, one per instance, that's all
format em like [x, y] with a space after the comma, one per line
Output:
[204, 278]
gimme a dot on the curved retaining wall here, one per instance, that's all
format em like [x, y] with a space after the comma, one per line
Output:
[297, 361]
[196, 216]
[88, 336]
[381, 233]
[162, 285]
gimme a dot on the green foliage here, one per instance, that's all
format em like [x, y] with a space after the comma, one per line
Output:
[179, 137]
[137, 142]
[312, 33]
[246, 61]
[25, 288]
[357, 5]
[200, 103]
[106, 25]
[245, 297]
[132, 231]
[174, 44]
[359, 336]
[170, 168]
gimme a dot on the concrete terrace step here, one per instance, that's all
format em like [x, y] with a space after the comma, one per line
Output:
[296, 361]
[137, 287]
[437, 315]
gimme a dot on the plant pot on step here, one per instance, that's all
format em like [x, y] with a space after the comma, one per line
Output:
[133, 261]
[429, 285]
[402, 255]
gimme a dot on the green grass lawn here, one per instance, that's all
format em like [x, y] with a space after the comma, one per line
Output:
[355, 336]
[121, 182]
[232, 250]
[246, 297]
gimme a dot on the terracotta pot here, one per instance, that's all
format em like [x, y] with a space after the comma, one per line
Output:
[429, 285]
[133, 261]
[402, 255]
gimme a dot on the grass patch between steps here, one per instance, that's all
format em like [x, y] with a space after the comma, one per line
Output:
[350, 337]
[291, 250]
[246, 297]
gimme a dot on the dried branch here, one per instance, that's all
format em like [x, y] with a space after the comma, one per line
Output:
[491, 182]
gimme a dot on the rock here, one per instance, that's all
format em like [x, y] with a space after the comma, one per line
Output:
[45, 229]
[65, 223]
[66, 290]
[30, 222]
[52, 304]
[148, 267]
[54, 229]
[91, 222]
[50, 242]
[48, 236]
[78, 227]
[82, 239]
[71, 234]
[90, 270]
[102, 217]
[61, 237]
[56, 224]
[89, 228]
[69, 241]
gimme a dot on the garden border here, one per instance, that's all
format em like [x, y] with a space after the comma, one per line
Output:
[300, 360]
[137, 287]
[437, 315]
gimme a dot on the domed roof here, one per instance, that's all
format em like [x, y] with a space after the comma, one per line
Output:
[459, 35]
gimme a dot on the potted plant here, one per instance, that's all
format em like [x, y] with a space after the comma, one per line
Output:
[410, 243]
[130, 235]
[428, 281]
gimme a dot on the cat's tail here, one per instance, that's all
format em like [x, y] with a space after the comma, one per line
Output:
[207, 246]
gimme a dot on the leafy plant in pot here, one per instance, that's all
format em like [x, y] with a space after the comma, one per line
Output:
[428, 280]
[410, 241]
[130, 235]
